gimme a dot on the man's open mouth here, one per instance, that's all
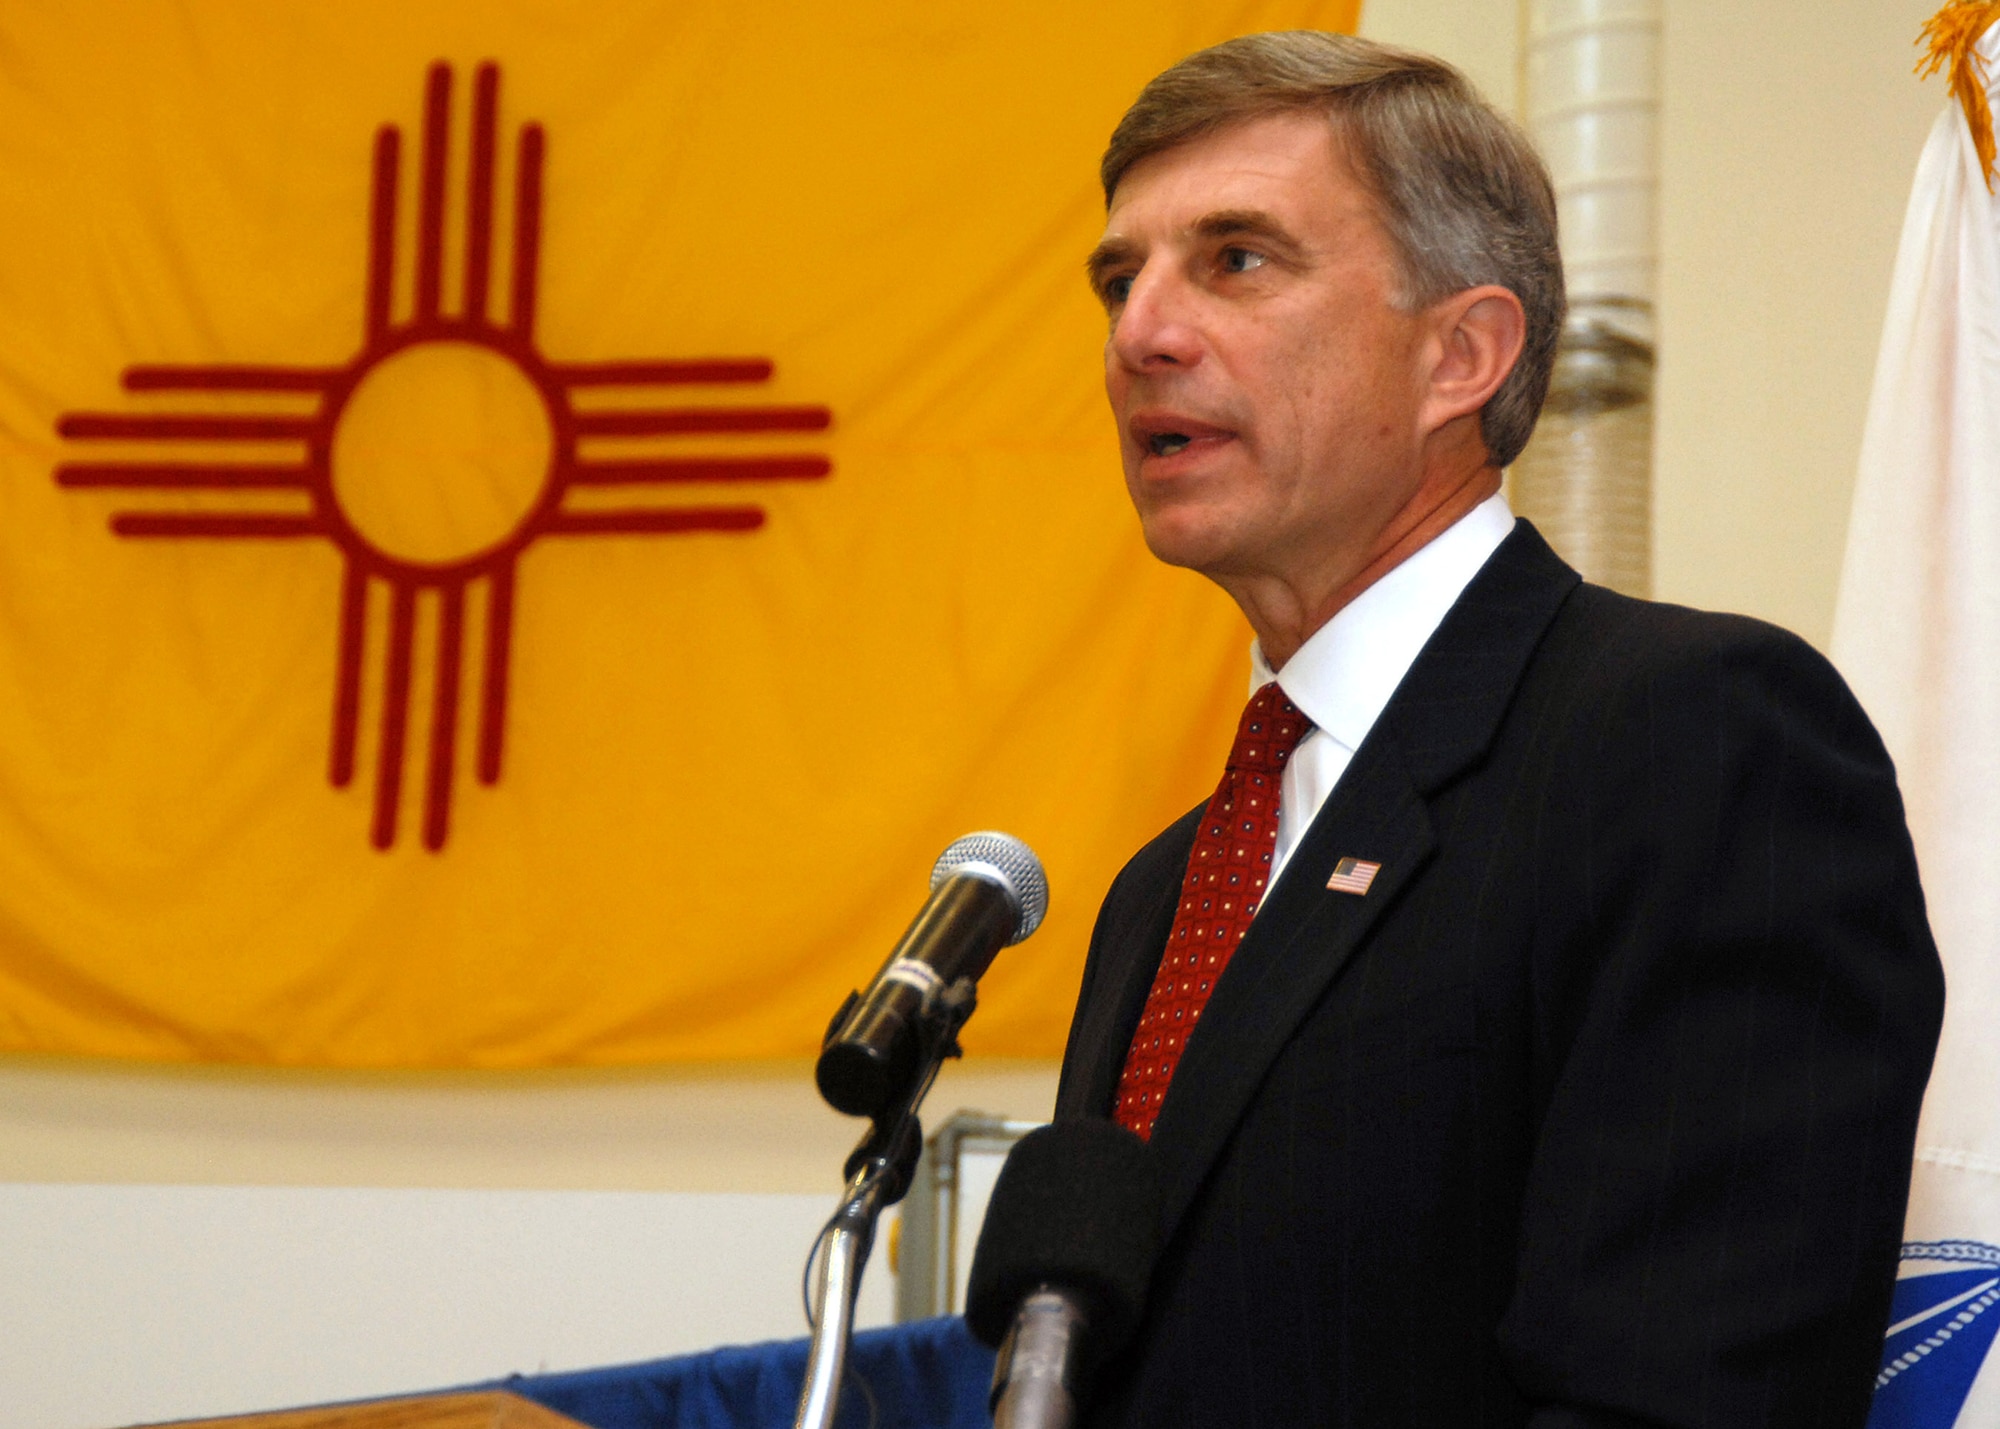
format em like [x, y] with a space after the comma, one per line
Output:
[1167, 443]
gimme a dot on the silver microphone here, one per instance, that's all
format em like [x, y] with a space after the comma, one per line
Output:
[988, 892]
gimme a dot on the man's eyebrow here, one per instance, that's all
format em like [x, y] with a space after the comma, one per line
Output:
[1244, 223]
[1104, 257]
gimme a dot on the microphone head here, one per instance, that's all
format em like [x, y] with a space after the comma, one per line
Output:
[1077, 1206]
[1004, 860]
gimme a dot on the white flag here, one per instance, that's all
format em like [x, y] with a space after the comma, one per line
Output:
[1917, 633]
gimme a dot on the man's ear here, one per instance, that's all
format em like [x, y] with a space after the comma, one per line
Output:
[1477, 337]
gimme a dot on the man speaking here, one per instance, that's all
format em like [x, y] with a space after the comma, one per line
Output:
[1531, 1028]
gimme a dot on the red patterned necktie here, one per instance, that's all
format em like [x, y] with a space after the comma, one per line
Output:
[1226, 874]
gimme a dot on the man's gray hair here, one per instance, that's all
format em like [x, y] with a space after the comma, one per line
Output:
[1465, 199]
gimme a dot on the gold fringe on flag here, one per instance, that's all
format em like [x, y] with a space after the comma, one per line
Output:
[1952, 34]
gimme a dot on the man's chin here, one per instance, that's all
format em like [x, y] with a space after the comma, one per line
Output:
[1191, 545]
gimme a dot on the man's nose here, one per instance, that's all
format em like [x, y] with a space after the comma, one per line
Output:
[1157, 325]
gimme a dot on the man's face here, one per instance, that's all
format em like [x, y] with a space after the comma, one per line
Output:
[1265, 380]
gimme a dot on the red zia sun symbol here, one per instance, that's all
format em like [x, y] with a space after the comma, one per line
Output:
[377, 494]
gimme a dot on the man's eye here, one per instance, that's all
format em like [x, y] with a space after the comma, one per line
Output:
[1241, 260]
[1116, 290]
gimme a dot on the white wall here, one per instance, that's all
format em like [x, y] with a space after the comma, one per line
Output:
[1790, 131]
[202, 1241]
[1790, 134]
[128, 1303]
[751, 1128]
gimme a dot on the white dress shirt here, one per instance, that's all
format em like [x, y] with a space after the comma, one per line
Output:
[1346, 671]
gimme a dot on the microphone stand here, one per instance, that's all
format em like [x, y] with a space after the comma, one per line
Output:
[878, 1174]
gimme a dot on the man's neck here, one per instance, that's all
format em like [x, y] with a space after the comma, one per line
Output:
[1284, 618]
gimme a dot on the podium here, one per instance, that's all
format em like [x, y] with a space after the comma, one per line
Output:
[486, 1409]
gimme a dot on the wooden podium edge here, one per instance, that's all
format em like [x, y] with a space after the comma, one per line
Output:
[486, 1409]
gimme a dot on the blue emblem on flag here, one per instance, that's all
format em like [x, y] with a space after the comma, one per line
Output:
[1941, 1324]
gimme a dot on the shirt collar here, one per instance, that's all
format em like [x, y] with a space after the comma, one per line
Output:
[1344, 674]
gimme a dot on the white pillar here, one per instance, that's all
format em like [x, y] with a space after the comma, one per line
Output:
[1591, 97]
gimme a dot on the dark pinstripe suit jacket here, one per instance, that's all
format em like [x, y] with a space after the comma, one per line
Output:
[1597, 1108]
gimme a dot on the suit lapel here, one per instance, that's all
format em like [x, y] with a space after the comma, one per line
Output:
[1442, 719]
[1302, 938]
[1111, 1012]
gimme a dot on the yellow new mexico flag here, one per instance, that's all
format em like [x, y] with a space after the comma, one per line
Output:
[527, 526]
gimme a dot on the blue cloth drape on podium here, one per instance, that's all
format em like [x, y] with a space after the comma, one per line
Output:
[930, 1374]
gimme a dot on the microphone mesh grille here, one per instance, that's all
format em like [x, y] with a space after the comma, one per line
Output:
[1017, 866]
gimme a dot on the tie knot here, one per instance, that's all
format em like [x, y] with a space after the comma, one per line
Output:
[1270, 729]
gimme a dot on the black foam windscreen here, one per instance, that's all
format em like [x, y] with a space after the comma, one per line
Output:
[1077, 1206]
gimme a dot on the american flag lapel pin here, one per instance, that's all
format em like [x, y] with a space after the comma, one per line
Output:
[1353, 875]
